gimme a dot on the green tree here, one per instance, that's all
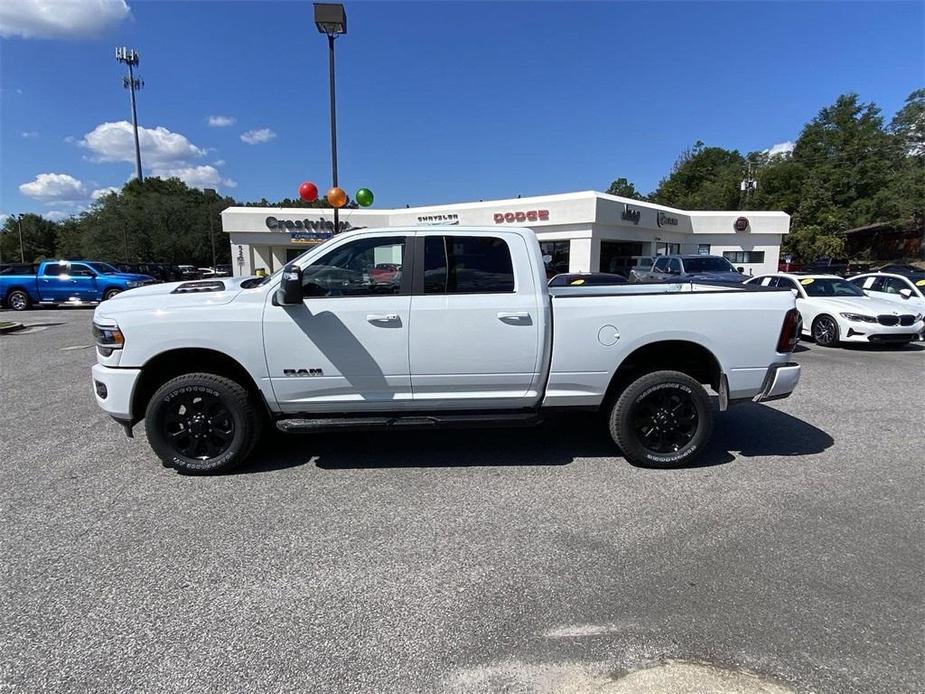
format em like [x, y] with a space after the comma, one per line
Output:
[39, 238]
[625, 189]
[703, 178]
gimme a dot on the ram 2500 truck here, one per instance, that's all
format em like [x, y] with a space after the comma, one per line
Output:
[67, 281]
[464, 332]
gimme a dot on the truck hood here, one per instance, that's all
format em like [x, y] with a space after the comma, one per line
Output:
[860, 304]
[736, 277]
[174, 295]
[127, 277]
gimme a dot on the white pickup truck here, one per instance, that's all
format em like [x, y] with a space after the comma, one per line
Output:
[433, 326]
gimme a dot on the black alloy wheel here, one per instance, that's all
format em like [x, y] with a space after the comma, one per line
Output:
[825, 331]
[111, 293]
[197, 425]
[662, 419]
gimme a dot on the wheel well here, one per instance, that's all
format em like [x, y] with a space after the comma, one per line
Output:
[676, 355]
[15, 288]
[161, 368]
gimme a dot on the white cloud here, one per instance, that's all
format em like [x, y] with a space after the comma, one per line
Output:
[195, 176]
[781, 149]
[60, 18]
[221, 121]
[256, 137]
[28, 134]
[55, 215]
[53, 187]
[218, 162]
[103, 192]
[116, 142]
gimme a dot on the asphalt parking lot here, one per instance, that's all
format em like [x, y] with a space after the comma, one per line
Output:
[505, 560]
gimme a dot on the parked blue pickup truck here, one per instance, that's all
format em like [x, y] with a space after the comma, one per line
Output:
[66, 281]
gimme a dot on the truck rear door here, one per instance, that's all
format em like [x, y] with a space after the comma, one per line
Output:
[54, 283]
[475, 335]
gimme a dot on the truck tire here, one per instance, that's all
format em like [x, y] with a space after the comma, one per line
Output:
[19, 300]
[663, 419]
[825, 331]
[111, 293]
[201, 423]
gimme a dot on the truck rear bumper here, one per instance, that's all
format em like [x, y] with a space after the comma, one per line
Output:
[113, 390]
[779, 383]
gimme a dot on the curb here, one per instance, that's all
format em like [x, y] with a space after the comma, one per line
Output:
[13, 327]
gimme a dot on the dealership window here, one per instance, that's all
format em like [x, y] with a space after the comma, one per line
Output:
[618, 256]
[555, 256]
[365, 267]
[667, 248]
[467, 265]
[744, 256]
[703, 249]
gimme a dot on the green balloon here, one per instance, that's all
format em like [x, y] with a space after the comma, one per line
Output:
[364, 197]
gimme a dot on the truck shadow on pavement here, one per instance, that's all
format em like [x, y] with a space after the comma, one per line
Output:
[749, 429]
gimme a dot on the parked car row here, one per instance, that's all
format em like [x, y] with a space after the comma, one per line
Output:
[62, 281]
[836, 310]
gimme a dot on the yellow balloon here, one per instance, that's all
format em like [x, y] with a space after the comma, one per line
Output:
[336, 197]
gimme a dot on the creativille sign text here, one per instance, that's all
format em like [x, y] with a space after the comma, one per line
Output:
[665, 220]
[309, 225]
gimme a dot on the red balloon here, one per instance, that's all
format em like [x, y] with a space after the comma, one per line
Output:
[308, 191]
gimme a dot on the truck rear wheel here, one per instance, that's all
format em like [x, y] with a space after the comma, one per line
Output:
[663, 419]
[201, 423]
[18, 300]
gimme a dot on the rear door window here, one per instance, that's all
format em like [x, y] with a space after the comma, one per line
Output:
[674, 266]
[467, 265]
[661, 265]
[54, 269]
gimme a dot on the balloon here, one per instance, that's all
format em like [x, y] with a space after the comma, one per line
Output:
[337, 197]
[364, 197]
[308, 191]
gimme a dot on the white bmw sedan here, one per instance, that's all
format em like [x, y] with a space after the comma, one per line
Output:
[906, 291]
[834, 311]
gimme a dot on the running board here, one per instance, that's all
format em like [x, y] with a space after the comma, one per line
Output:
[300, 425]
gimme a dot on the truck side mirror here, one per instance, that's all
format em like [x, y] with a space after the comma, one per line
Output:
[906, 293]
[290, 288]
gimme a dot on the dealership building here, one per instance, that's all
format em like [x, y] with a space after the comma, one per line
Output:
[578, 232]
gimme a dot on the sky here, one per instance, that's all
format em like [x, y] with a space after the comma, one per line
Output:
[438, 102]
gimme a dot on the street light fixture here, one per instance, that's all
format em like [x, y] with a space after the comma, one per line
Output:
[130, 57]
[331, 20]
[210, 194]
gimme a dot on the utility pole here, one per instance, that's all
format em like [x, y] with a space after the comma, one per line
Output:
[130, 56]
[331, 20]
[747, 186]
[22, 256]
[210, 193]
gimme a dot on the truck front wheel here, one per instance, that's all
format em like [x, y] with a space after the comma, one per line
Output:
[201, 423]
[111, 293]
[18, 300]
[663, 419]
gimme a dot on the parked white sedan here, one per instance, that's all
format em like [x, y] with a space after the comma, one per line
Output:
[834, 310]
[907, 291]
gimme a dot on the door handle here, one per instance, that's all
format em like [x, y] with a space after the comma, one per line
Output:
[382, 317]
[513, 316]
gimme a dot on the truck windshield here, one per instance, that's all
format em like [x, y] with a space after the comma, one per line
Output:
[708, 264]
[102, 268]
[829, 286]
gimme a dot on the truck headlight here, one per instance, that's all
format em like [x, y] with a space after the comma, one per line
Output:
[918, 317]
[108, 338]
[131, 284]
[858, 317]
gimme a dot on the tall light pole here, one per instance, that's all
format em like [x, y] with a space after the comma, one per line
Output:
[129, 56]
[331, 20]
[210, 193]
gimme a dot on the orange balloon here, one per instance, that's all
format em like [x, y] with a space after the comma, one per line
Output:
[336, 197]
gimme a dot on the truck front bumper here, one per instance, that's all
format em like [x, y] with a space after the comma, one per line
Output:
[779, 382]
[113, 390]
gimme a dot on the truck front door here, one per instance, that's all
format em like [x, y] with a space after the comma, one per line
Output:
[475, 325]
[345, 348]
[83, 282]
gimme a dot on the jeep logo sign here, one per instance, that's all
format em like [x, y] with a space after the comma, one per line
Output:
[527, 216]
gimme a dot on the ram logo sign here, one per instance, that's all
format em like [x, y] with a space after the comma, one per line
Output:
[299, 373]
